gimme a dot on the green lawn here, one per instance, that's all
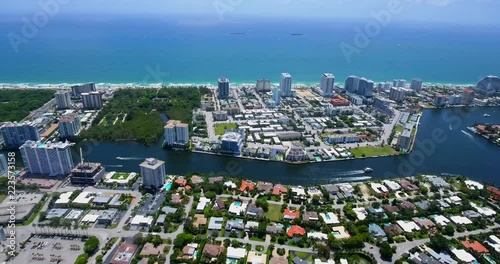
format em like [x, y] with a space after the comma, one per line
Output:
[2, 197]
[372, 151]
[399, 128]
[220, 128]
[302, 255]
[274, 213]
[120, 176]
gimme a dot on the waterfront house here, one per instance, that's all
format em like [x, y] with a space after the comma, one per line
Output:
[265, 187]
[213, 180]
[495, 193]
[279, 189]
[408, 186]
[246, 186]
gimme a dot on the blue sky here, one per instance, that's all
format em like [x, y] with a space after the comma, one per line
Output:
[471, 12]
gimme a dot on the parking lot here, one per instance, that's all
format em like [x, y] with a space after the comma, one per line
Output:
[51, 249]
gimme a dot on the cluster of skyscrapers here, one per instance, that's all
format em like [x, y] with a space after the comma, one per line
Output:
[357, 85]
[489, 85]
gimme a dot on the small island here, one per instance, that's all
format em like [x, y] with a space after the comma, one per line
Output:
[488, 131]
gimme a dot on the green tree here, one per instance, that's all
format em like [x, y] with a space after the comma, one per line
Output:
[91, 245]
[449, 230]
[386, 251]
[323, 251]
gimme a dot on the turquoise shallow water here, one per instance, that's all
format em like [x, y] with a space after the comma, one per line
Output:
[163, 50]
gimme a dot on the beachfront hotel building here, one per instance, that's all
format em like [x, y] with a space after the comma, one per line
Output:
[468, 96]
[77, 90]
[416, 85]
[286, 85]
[15, 134]
[223, 87]
[47, 158]
[69, 125]
[63, 99]
[92, 100]
[399, 83]
[351, 84]
[153, 173]
[176, 133]
[327, 83]
[263, 86]
[440, 100]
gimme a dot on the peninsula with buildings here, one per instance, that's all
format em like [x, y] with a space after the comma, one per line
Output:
[489, 131]
[78, 211]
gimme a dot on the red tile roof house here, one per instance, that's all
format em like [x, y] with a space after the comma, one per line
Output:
[212, 251]
[494, 192]
[295, 230]
[476, 246]
[246, 186]
[279, 189]
[290, 215]
[181, 182]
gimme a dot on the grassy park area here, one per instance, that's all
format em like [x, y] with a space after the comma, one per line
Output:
[220, 128]
[274, 213]
[373, 151]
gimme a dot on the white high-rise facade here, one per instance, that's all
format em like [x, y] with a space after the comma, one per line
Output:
[399, 83]
[47, 158]
[286, 85]
[92, 100]
[176, 133]
[15, 134]
[153, 173]
[327, 84]
[63, 99]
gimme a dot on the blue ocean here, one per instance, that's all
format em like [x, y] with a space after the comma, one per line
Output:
[168, 50]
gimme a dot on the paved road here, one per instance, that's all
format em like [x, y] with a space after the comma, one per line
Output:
[405, 247]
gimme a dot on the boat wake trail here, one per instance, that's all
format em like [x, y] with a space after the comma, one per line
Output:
[113, 166]
[350, 179]
[353, 172]
[471, 137]
[129, 158]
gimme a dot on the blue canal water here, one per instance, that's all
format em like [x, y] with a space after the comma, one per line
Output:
[443, 145]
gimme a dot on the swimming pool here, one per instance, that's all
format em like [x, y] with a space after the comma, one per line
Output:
[168, 186]
[237, 203]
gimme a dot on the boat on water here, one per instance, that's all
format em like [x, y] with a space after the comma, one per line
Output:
[486, 115]
[368, 170]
